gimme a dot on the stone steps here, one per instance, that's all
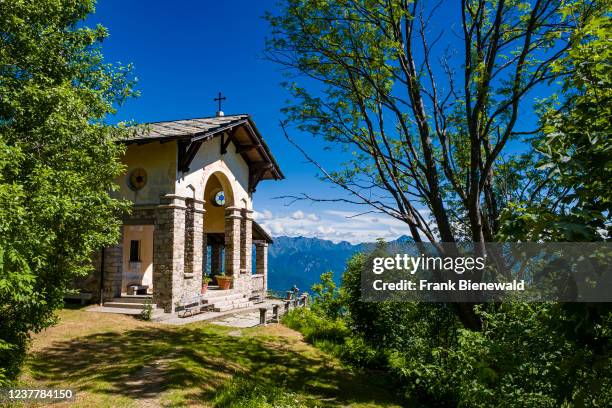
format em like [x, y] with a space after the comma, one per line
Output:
[225, 308]
[228, 302]
[132, 299]
[124, 305]
[129, 302]
[223, 301]
[222, 298]
[217, 302]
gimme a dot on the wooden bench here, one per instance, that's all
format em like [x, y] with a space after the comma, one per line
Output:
[189, 305]
[257, 297]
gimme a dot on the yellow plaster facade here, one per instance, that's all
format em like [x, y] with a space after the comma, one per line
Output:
[159, 161]
[141, 272]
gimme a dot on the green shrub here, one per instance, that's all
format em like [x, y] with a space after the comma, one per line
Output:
[359, 353]
[147, 310]
[526, 355]
[315, 327]
[523, 357]
[243, 392]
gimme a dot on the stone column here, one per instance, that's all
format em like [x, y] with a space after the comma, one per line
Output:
[113, 270]
[169, 252]
[261, 262]
[194, 246]
[246, 242]
[233, 220]
[215, 259]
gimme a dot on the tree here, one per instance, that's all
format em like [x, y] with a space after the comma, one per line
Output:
[575, 150]
[421, 131]
[58, 159]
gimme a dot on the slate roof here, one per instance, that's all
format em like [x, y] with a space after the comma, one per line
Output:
[259, 233]
[201, 129]
[187, 127]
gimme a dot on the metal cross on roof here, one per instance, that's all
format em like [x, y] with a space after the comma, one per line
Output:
[220, 98]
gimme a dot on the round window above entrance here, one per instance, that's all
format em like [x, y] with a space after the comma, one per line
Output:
[219, 198]
[137, 179]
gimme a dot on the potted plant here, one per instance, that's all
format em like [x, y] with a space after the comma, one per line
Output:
[205, 281]
[224, 281]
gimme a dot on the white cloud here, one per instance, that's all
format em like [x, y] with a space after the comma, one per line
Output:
[335, 225]
[325, 230]
[265, 215]
[275, 227]
[298, 215]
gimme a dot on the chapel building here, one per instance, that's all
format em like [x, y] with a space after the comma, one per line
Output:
[191, 183]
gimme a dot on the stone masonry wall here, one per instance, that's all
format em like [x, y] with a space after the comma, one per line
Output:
[233, 219]
[246, 242]
[113, 268]
[168, 252]
[261, 262]
[179, 251]
[194, 247]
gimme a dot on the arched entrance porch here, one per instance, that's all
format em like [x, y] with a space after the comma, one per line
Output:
[218, 196]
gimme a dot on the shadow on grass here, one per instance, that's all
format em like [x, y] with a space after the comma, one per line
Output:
[74, 305]
[142, 363]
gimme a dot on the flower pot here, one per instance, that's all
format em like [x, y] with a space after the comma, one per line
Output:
[204, 288]
[224, 282]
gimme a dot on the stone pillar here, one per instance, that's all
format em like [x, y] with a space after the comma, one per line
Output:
[113, 270]
[246, 242]
[169, 252]
[194, 247]
[261, 262]
[215, 259]
[233, 220]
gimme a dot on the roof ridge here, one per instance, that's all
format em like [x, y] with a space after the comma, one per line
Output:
[201, 117]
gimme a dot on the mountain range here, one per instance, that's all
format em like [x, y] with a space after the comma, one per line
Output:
[300, 261]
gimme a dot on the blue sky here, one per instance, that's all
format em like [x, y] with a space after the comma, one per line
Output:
[184, 53]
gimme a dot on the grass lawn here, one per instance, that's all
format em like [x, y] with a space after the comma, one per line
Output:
[118, 361]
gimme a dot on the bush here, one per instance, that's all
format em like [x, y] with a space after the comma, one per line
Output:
[147, 310]
[526, 355]
[243, 392]
[523, 357]
[315, 327]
